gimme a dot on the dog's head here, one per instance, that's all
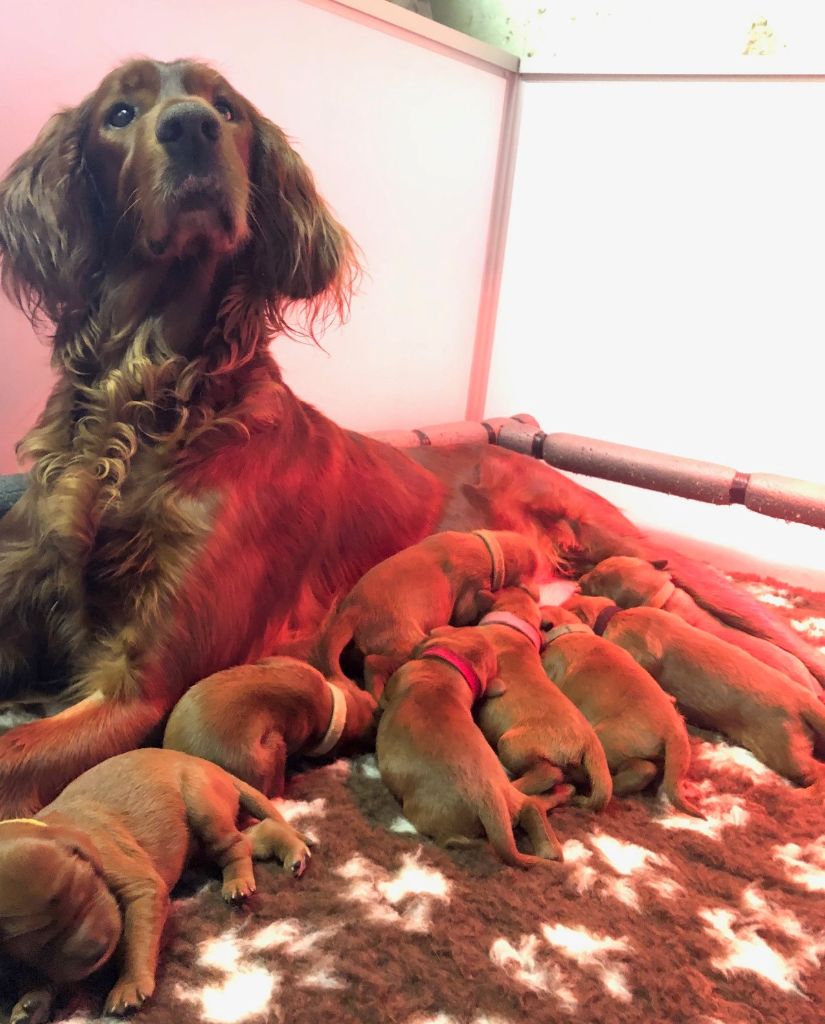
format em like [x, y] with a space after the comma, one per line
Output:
[57, 914]
[165, 163]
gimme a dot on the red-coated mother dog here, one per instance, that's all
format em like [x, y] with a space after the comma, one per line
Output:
[186, 512]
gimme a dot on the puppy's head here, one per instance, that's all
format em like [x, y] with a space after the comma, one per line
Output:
[587, 609]
[554, 615]
[521, 600]
[57, 914]
[624, 579]
[471, 644]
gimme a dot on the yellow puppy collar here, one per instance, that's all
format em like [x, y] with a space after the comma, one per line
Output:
[24, 821]
[490, 542]
[336, 725]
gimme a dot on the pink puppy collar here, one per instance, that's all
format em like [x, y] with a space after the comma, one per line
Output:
[471, 677]
[514, 622]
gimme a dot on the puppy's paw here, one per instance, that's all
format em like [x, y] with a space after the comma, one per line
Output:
[129, 994]
[238, 888]
[32, 1008]
[297, 858]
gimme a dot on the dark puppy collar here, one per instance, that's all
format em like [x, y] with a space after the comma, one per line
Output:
[461, 665]
[604, 617]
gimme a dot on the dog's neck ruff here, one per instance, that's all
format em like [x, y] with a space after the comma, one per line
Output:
[567, 627]
[461, 665]
[516, 622]
[490, 542]
[604, 617]
[662, 595]
[24, 821]
[337, 721]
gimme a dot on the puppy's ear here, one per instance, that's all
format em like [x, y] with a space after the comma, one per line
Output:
[49, 212]
[532, 590]
[299, 250]
[659, 563]
[495, 688]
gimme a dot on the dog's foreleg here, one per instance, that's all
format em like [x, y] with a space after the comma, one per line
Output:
[38, 759]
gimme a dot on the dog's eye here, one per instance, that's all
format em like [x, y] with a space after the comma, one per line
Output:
[224, 109]
[120, 115]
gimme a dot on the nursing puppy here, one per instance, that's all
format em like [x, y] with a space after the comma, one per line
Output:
[396, 604]
[92, 873]
[250, 719]
[718, 686]
[631, 582]
[434, 760]
[534, 728]
[634, 719]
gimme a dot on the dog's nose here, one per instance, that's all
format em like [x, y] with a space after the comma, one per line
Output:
[188, 130]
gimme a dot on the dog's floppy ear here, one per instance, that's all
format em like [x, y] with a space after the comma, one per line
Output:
[659, 563]
[299, 250]
[49, 239]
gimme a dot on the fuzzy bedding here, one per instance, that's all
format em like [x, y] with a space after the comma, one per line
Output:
[653, 916]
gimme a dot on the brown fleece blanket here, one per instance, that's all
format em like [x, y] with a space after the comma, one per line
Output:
[653, 917]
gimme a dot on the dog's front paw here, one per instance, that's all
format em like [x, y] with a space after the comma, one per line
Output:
[33, 1008]
[129, 994]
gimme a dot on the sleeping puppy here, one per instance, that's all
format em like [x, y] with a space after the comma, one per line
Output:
[91, 874]
[398, 602]
[718, 686]
[534, 728]
[249, 719]
[434, 760]
[634, 719]
[631, 582]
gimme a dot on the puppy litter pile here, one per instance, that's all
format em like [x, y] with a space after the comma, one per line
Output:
[653, 916]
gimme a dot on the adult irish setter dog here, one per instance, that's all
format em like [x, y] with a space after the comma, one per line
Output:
[185, 511]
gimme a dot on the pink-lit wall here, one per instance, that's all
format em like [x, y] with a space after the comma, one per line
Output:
[662, 286]
[402, 135]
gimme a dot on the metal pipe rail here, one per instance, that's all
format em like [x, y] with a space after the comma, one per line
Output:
[798, 501]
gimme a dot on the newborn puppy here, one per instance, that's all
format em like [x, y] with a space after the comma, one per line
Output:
[631, 582]
[634, 719]
[396, 604]
[92, 873]
[718, 686]
[534, 728]
[249, 719]
[434, 760]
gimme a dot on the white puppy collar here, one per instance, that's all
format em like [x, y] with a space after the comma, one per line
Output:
[337, 721]
[567, 627]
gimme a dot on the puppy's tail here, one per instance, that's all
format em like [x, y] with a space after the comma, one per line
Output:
[255, 803]
[495, 817]
[598, 771]
[677, 764]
